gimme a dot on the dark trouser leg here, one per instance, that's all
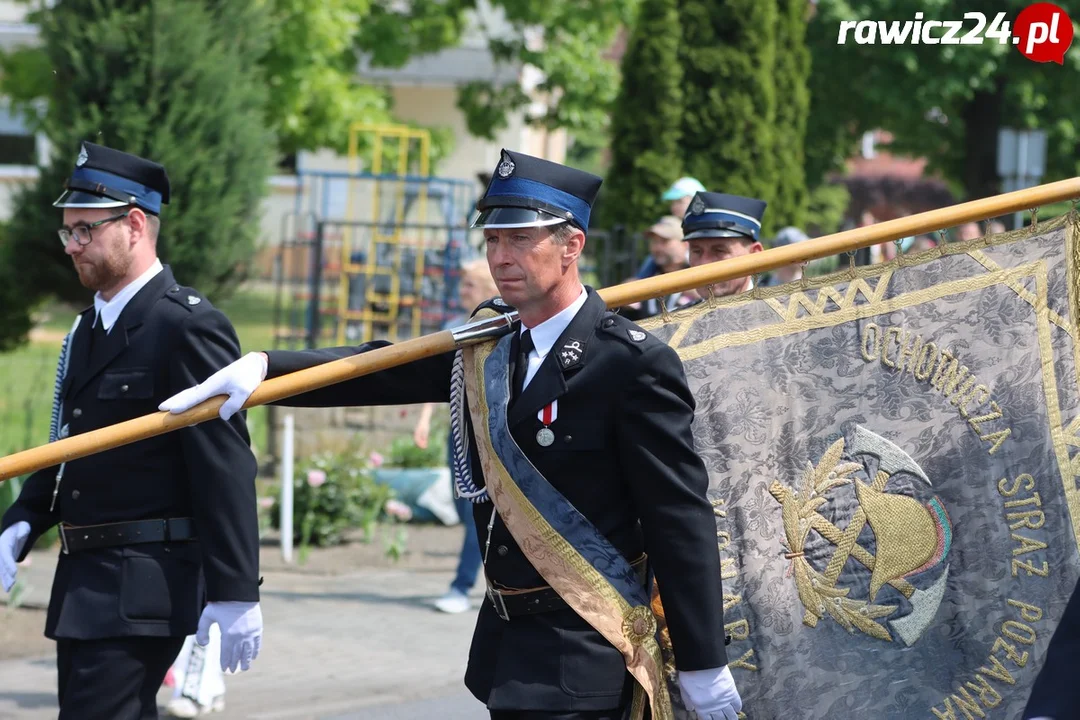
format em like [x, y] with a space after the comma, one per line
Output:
[614, 714]
[470, 560]
[113, 679]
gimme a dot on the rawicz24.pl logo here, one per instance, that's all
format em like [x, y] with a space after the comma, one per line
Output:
[1042, 32]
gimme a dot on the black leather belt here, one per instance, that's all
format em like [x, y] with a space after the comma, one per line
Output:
[86, 537]
[510, 603]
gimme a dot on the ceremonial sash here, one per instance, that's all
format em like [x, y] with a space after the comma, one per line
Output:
[582, 566]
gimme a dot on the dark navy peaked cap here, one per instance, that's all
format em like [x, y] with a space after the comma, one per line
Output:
[105, 178]
[526, 191]
[713, 214]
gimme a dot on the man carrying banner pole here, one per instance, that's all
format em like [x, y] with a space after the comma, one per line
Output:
[578, 453]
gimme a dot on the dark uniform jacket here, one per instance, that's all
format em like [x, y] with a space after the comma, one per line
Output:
[1056, 694]
[166, 339]
[623, 456]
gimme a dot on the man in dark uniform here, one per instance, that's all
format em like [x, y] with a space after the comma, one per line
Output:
[1055, 695]
[718, 227]
[159, 538]
[602, 410]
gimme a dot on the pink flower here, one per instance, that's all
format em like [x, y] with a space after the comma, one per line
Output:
[315, 478]
[375, 459]
[398, 509]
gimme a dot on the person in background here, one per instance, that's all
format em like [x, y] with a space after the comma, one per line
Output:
[968, 231]
[668, 253]
[788, 273]
[679, 195]
[720, 227]
[476, 286]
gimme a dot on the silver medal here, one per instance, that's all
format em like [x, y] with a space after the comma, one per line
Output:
[545, 437]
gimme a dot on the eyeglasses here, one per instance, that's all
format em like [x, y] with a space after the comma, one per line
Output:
[81, 233]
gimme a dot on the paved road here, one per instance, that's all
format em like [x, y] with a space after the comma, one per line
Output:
[363, 645]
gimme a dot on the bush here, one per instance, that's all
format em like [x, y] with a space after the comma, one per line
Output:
[404, 453]
[332, 493]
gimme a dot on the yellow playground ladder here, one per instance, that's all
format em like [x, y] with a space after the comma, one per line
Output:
[381, 309]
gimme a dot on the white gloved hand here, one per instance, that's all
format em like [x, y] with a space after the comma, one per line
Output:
[241, 632]
[237, 380]
[11, 546]
[710, 693]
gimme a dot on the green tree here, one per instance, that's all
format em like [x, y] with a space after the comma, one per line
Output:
[942, 102]
[567, 41]
[173, 80]
[308, 63]
[789, 204]
[729, 133]
[645, 122]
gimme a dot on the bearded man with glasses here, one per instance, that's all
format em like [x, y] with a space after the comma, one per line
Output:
[159, 538]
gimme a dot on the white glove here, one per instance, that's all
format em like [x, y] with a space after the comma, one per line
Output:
[241, 632]
[11, 546]
[710, 693]
[237, 380]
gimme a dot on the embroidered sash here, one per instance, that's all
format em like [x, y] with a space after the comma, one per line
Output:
[583, 567]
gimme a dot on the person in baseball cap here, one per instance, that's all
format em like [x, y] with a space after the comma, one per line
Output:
[680, 194]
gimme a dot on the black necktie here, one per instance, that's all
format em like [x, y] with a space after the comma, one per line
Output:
[521, 364]
[98, 334]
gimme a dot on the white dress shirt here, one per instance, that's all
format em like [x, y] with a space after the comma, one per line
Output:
[546, 333]
[109, 310]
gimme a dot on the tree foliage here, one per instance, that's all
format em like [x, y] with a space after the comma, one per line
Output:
[942, 102]
[567, 41]
[176, 81]
[790, 203]
[308, 63]
[729, 134]
[645, 120]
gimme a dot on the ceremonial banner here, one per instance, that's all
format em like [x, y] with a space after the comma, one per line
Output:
[894, 454]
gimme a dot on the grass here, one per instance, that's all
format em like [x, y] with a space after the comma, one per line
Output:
[27, 375]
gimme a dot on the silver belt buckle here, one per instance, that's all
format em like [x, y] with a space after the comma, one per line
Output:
[497, 602]
[63, 540]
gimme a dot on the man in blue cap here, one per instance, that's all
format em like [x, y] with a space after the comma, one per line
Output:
[159, 538]
[598, 423]
[718, 227]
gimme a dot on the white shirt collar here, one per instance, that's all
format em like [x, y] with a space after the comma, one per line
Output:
[109, 311]
[546, 333]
